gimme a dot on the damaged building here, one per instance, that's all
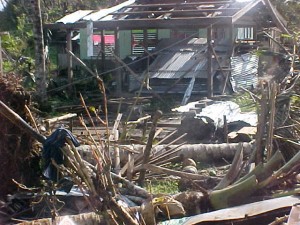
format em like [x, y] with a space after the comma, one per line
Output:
[187, 47]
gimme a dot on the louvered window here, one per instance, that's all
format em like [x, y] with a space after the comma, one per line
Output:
[245, 33]
[138, 41]
[109, 43]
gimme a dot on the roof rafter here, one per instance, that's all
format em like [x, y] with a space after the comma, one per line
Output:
[188, 4]
[177, 11]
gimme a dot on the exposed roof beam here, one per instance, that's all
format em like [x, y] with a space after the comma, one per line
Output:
[67, 26]
[188, 4]
[190, 22]
[245, 9]
[176, 11]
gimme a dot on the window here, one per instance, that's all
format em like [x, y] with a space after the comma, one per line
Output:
[109, 43]
[245, 33]
[138, 39]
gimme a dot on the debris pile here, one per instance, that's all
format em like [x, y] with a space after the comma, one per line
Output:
[17, 156]
[111, 176]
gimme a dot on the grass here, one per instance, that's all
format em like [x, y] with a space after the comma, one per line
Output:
[166, 186]
[245, 102]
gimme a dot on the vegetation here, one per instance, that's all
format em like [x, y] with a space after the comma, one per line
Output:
[290, 10]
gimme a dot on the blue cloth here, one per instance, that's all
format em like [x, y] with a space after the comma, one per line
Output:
[51, 150]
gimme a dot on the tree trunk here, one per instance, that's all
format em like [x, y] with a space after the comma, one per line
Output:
[40, 65]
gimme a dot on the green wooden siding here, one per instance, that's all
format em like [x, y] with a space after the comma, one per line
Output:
[163, 33]
[124, 43]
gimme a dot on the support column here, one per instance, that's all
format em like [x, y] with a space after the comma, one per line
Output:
[102, 51]
[1, 60]
[70, 62]
[118, 71]
[145, 39]
[209, 63]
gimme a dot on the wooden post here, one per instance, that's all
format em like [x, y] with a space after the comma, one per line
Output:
[70, 62]
[261, 126]
[117, 153]
[1, 60]
[130, 166]
[231, 39]
[209, 63]
[115, 136]
[118, 71]
[102, 50]
[147, 151]
[225, 129]
[272, 114]
[145, 40]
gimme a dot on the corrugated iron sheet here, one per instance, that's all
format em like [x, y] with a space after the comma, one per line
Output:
[174, 65]
[92, 15]
[74, 17]
[244, 71]
[103, 13]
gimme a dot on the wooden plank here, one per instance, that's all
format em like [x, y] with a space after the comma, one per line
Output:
[59, 118]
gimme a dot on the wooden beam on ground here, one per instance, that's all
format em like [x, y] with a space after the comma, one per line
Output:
[48, 122]
[148, 147]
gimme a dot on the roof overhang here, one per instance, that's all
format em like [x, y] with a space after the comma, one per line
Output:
[166, 14]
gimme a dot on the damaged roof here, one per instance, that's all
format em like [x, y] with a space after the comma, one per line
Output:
[185, 60]
[134, 14]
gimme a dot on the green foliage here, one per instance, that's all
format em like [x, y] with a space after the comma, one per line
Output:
[290, 11]
[19, 47]
[245, 102]
[166, 186]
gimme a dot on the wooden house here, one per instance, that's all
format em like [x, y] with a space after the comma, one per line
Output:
[175, 46]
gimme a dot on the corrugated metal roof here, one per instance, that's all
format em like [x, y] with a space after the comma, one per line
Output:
[244, 71]
[102, 14]
[74, 17]
[177, 64]
[92, 15]
[186, 61]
